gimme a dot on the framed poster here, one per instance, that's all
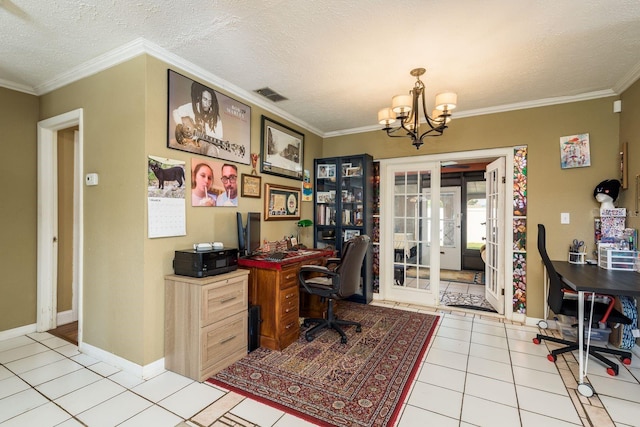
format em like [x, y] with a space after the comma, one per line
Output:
[250, 186]
[203, 121]
[281, 203]
[282, 150]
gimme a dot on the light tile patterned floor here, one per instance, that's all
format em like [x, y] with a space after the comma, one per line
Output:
[479, 371]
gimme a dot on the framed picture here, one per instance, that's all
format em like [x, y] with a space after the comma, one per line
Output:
[574, 151]
[350, 234]
[213, 183]
[251, 186]
[345, 166]
[326, 171]
[281, 203]
[282, 150]
[355, 171]
[203, 121]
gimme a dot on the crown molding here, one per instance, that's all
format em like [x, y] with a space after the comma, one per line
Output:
[142, 46]
[17, 87]
[497, 109]
[630, 78]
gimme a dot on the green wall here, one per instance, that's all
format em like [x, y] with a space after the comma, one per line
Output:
[551, 190]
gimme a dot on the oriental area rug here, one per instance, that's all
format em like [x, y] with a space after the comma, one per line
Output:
[361, 383]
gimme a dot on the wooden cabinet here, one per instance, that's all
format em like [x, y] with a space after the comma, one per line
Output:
[205, 323]
[274, 287]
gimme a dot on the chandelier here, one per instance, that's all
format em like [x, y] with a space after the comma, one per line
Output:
[405, 109]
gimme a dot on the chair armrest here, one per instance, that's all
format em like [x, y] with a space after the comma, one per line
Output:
[306, 269]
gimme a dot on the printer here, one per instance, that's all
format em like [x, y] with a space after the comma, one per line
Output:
[203, 263]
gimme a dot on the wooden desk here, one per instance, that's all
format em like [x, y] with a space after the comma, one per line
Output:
[274, 287]
[584, 278]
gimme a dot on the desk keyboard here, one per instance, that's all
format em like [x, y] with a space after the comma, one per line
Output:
[276, 256]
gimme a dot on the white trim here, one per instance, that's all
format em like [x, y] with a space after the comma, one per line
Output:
[142, 46]
[143, 372]
[64, 317]
[17, 332]
[47, 218]
[506, 152]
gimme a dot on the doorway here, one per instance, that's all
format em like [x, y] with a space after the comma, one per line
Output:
[433, 182]
[48, 223]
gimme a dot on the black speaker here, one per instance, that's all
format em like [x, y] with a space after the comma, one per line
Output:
[254, 327]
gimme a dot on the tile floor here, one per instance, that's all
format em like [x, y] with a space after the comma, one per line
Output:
[479, 371]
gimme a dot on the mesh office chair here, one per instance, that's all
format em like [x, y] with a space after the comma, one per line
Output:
[602, 312]
[335, 283]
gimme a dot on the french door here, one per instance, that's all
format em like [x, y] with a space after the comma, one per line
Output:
[494, 266]
[414, 217]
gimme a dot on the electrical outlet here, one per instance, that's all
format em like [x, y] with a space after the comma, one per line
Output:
[565, 218]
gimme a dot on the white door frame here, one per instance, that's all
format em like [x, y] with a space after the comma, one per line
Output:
[48, 218]
[386, 256]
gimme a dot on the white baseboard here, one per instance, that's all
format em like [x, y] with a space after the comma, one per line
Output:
[65, 317]
[144, 372]
[16, 332]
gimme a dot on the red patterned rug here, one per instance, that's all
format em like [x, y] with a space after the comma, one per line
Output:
[361, 383]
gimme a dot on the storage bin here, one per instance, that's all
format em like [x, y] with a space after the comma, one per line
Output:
[598, 336]
[611, 258]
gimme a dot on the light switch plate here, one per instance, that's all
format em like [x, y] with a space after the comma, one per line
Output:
[565, 218]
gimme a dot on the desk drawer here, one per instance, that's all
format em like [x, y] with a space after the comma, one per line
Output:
[223, 339]
[289, 276]
[289, 323]
[221, 299]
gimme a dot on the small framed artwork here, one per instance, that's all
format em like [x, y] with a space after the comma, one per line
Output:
[345, 166]
[574, 151]
[251, 186]
[326, 171]
[282, 150]
[281, 203]
[350, 234]
[355, 171]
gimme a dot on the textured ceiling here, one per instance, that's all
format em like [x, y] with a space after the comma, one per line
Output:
[338, 62]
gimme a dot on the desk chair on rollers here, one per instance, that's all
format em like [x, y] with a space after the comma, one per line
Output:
[335, 283]
[559, 304]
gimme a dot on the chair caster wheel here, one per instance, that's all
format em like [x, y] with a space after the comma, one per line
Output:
[359, 329]
[552, 357]
[305, 324]
[626, 360]
[536, 341]
[309, 338]
[343, 340]
[612, 372]
[585, 389]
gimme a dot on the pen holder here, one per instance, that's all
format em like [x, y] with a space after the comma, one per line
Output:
[577, 258]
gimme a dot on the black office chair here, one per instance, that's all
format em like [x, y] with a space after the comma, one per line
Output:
[339, 282]
[602, 312]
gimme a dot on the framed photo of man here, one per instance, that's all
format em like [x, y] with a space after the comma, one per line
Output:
[203, 121]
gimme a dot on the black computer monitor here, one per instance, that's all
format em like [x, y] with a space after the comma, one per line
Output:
[249, 235]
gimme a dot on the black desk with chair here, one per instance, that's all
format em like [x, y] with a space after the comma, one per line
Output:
[586, 280]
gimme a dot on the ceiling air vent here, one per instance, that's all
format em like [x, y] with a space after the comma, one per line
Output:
[270, 94]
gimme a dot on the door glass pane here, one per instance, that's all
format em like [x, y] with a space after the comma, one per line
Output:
[411, 230]
[476, 214]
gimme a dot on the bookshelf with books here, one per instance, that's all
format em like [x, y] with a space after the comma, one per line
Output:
[343, 208]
